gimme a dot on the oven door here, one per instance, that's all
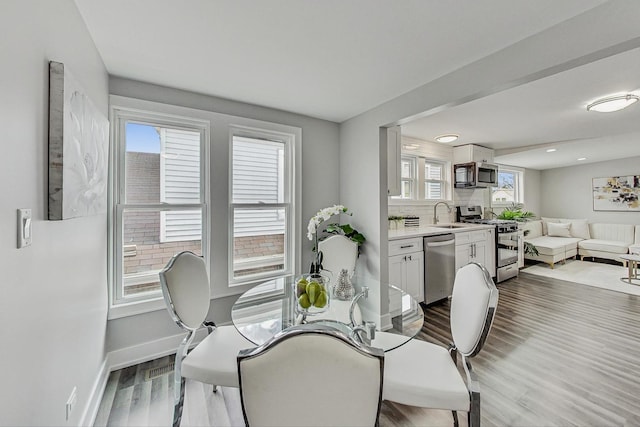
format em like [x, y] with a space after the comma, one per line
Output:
[507, 248]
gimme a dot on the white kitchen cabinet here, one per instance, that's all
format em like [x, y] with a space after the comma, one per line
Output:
[476, 246]
[406, 266]
[472, 153]
[394, 157]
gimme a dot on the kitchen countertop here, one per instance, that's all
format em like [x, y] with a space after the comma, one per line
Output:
[433, 230]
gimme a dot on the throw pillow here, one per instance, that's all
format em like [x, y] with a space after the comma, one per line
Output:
[545, 221]
[557, 229]
[580, 229]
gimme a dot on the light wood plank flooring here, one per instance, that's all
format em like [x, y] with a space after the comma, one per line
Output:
[559, 354]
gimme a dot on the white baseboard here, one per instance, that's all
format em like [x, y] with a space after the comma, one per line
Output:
[125, 357]
[93, 404]
[385, 322]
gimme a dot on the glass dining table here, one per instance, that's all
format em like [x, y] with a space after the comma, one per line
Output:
[270, 307]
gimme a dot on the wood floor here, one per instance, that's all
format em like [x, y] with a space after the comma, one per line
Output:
[559, 354]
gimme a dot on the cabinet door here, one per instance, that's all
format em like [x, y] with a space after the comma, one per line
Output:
[463, 255]
[414, 284]
[480, 253]
[394, 144]
[490, 262]
[396, 265]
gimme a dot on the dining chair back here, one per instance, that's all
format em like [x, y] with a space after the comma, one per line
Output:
[185, 288]
[311, 375]
[423, 374]
[338, 253]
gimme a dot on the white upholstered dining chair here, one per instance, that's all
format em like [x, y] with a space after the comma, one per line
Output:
[338, 252]
[185, 287]
[311, 375]
[423, 374]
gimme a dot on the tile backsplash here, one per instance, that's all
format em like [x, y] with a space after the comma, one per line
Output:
[462, 197]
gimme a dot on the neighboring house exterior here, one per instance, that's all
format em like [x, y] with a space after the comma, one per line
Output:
[152, 238]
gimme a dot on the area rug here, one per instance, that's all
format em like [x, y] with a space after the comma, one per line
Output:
[596, 274]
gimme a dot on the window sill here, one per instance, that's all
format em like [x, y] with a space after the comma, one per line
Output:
[134, 308]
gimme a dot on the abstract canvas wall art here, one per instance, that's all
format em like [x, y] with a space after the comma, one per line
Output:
[78, 149]
[617, 193]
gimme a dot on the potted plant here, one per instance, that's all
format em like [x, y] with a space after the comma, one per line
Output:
[395, 222]
[515, 212]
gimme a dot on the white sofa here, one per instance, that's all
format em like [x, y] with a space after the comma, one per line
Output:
[566, 238]
[551, 249]
[607, 241]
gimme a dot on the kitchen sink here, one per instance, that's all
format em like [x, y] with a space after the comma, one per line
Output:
[450, 226]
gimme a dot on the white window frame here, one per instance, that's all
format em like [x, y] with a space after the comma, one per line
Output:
[287, 201]
[442, 181]
[419, 182]
[518, 186]
[123, 110]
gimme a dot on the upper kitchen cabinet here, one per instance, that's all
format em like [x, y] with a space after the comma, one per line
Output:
[472, 153]
[394, 145]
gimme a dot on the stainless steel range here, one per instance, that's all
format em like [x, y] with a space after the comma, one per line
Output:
[506, 240]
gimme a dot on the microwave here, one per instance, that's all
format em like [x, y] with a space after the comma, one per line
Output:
[475, 174]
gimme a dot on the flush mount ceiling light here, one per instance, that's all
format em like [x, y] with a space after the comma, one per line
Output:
[582, 158]
[450, 137]
[551, 150]
[613, 103]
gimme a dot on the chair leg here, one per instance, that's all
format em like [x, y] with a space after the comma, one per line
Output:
[177, 408]
[455, 419]
[473, 416]
[178, 380]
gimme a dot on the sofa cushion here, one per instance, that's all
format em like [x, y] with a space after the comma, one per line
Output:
[557, 229]
[614, 232]
[553, 245]
[546, 220]
[580, 228]
[613, 246]
[534, 228]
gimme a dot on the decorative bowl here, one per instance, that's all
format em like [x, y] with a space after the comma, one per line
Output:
[312, 293]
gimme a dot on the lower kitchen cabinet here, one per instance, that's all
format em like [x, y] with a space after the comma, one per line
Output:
[476, 246]
[406, 266]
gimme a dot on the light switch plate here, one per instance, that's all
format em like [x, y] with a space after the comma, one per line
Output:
[25, 228]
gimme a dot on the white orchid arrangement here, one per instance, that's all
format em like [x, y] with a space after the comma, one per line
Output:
[321, 216]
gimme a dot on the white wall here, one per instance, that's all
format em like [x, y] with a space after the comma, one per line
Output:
[532, 191]
[567, 192]
[54, 293]
[363, 161]
[320, 188]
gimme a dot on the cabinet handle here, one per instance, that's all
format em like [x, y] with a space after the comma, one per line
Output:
[410, 258]
[406, 246]
[404, 258]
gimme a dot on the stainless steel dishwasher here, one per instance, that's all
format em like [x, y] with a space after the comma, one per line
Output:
[439, 266]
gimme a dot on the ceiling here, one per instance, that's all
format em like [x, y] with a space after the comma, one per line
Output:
[335, 59]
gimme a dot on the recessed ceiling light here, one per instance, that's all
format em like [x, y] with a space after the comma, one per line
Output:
[410, 146]
[613, 103]
[551, 150]
[582, 158]
[447, 138]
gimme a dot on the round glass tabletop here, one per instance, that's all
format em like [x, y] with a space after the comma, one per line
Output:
[270, 307]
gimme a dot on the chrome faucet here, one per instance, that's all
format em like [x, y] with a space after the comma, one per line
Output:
[435, 211]
[369, 328]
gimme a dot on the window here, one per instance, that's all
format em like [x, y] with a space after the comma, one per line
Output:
[434, 180]
[158, 203]
[509, 189]
[407, 177]
[261, 205]
[424, 179]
